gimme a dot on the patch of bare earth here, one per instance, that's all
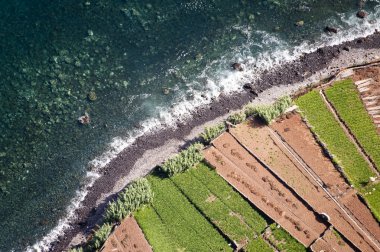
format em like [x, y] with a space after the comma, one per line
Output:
[337, 242]
[128, 237]
[265, 144]
[367, 81]
[296, 133]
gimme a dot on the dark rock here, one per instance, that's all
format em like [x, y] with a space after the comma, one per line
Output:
[346, 48]
[237, 66]
[361, 14]
[331, 29]
[248, 86]
[359, 41]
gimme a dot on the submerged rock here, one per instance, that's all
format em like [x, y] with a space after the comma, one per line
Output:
[237, 66]
[300, 23]
[85, 119]
[91, 96]
[361, 14]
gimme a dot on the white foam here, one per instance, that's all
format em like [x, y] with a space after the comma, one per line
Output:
[222, 81]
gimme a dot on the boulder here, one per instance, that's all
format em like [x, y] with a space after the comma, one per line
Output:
[300, 23]
[237, 66]
[331, 29]
[361, 14]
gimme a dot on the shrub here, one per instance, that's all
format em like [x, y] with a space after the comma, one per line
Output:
[100, 236]
[210, 133]
[184, 160]
[237, 118]
[133, 197]
[269, 112]
[79, 249]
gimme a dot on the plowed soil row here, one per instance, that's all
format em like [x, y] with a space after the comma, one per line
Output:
[296, 133]
[261, 142]
[257, 184]
[127, 237]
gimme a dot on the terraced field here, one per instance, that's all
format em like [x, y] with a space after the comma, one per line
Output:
[346, 100]
[329, 131]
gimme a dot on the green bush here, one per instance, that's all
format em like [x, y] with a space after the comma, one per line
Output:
[184, 160]
[100, 237]
[269, 112]
[210, 133]
[133, 197]
[237, 118]
[79, 249]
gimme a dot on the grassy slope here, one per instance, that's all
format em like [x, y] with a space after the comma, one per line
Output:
[330, 132]
[346, 100]
[232, 199]
[284, 241]
[184, 223]
[230, 222]
[155, 230]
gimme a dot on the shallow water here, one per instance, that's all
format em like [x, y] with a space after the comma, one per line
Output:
[148, 62]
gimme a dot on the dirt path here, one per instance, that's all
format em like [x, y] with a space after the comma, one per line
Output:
[349, 134]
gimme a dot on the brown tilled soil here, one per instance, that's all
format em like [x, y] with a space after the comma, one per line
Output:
[296, 133]
[371, 95]
[127, 237]
[262, 142]
[331, 242]
[263, 198]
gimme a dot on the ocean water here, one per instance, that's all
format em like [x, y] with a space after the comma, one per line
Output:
[149, 63]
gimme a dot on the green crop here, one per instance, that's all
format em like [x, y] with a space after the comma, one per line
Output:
[210, 133]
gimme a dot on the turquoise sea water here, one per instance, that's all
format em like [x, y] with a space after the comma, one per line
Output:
[148, 62]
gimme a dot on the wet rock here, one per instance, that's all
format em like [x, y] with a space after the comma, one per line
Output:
[91, 96]
[300, 23]
[331, 29]
[237, 66]
[346, 48]
[361, 14]
[85, 119]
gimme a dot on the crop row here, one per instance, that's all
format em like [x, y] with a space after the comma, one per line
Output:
[346, 100]
[184, 223]
[229, 222]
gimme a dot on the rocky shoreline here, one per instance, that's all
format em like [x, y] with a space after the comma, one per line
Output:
[312, 66]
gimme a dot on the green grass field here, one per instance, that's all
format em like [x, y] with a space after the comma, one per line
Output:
[258, 245]
[330, 132]
[284, 241]
[346, 100]
[230, 222]
[183, 222]
[155, 230]
[345, 153]
[372, 196]
[232, 199]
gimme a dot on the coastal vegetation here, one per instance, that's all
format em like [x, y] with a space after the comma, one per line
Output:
[346, 100]
[237, 118]
[130, 199]
[329, 131]
[99, 237]
[210, 133]
[184, 160]
[269, 112]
